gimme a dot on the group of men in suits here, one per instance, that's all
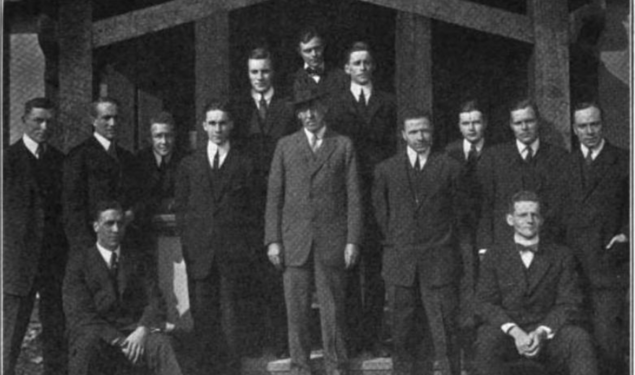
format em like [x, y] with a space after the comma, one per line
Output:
[344, 206]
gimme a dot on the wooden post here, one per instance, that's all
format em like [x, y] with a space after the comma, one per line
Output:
[549, 69]
[75, 71]
[212, 64]
[6, 105]
[414, 62]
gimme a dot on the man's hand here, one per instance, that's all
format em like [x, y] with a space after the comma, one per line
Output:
[537, 336]
[274, 252]
[620, 238]
[134, 345]
[351, 254]
[522, 339]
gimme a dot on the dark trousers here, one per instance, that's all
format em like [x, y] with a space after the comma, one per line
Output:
[610, 329]
[91, 355]
[569, 351]
[16, 313]
[330, 284]
[424, 328]
[215, 342]
[271, 291]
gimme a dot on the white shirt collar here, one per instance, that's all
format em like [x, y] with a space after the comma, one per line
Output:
[467, 146]
[30, 144]
[102, 140]
[412, 156]
[107, 254]
[356, 90]
[268, 95]
[223, 150]
[158, 157]
[525, 242]
[522, 147]
[315, 78]
[594, 152]
[319, 134]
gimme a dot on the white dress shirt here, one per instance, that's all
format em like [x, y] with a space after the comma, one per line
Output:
[522, 148]
[413, 155]
[319, 134]
[107, 254]
[357, 89]
[315, 77]
[30, 144]
[594, 152]
[467, 146]
[223, 150]
[257, 95]
[102, 140]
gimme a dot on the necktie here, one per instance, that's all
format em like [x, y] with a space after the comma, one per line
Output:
[216, 165]
[262, 108]
[112, 150]
[114, 265]
[417, 164]
[314, 143]
[529, 157]
[39, 151]
[162, 164]
[589, 157]
[314, 71]
[362, 98]
[530, 248]
[472, 155]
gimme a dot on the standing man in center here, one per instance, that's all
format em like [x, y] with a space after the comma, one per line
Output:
[414, 195]
[313, 229]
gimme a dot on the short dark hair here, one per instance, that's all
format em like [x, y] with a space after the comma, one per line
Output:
[218, 104]
[472, 105]
[305, 35]
[101, 100]
[105, 205]
[522, 104]
[162, 117]
[414, 113]
[586, 105]
[261, 53]
[357, 47]
[42, 103]
[522, 196]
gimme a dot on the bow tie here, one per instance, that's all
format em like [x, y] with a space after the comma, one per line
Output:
[522, 248]
[314, 71]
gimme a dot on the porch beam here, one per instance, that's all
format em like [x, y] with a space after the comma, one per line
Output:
[160, 17]
[467, 14]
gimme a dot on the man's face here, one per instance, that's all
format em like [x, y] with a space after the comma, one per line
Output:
[260, 74]
[524, 124]
[526, 219]
[417, 133]
[162, 138]
[587, 126]
[472, 125]
[106, 120]
[110, 229]
[217, 125]
[312, 52]
[312, 116]
[360, 67]
[37, 123]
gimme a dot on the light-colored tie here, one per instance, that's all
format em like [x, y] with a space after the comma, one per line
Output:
[314, 143]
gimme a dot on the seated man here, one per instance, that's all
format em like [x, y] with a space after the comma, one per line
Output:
[113, 306]
[527, 295]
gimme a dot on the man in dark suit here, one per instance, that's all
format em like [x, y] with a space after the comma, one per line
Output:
[113, 305]
[215, 205]
[597, 228]
[314, 74]
[368, 117]
[313, 229]
[34, 245]
[97, 169]
[528, 296]
[527, 163]
[414, 198]
[262, 118]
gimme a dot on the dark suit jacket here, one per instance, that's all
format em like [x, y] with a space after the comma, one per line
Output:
[153, 188]
[91, 303]
[374, 134]
[92, 175]
[332, 82]
[33, 234]
[215, 216]
[596, 211]
[313, 200]
[502, 173]
[469, 192]
[547, 293]
[418, 235]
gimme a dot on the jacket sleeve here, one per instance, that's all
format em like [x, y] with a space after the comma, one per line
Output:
[275, 197]
[354, 202]
[488, 294]
[569, 296]
[380, 202]
[485, 176]
[181, 195]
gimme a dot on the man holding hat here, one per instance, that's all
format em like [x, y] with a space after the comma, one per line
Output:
[313, 225]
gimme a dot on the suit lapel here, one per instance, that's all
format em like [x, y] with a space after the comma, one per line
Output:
[402, 176]
[324, 152]
[428, 185]
[539, 267]
[514, 266]
[228, 169]
[373, 105]
[99, 269]
[599, 167]
[203, 172]
[125, 269]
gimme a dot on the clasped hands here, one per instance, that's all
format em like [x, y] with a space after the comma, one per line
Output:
[528, 344]
[276, 257]
[133, 346]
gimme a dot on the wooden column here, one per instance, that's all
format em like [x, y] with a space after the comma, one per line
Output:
[212, 64]
[549, 68]
[75, 71]
[413, 40]
[6, 104]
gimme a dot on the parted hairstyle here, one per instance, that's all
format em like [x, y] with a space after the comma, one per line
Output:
[219, 104]
[43, 103]
[414, 113]
[101, 100]
[522, 196]
[162, 117]
[105, 205]
[522, 104]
